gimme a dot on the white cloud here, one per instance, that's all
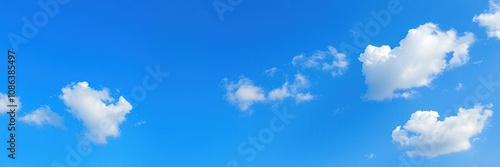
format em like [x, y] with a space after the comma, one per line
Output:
[431, 137]
[4, 101]
[280, 93]
[460, 86]
[296, 89]
[420, 57]
[490, 20]
[270, 72]
[43, 115]
[139, 123]
[301, 97]
[370, 156]
[321, 61]
[96, 110]
[243, 93]
[477, 62]
[406, 94]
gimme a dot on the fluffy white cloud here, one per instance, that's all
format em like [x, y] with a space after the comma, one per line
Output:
[296, 89]
[431, 137]
[244, 93]
[321, 61]
[420, 57]
[490, 20]
[43, 115]
[96, 110]
[4, 101]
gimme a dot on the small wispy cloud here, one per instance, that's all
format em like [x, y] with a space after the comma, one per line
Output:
[477, 62]
[295, 89]
[43, 116]
[270, 72]
[331, 61]
[370, 156]
[243, 93]
[139, 123]
[460, 86]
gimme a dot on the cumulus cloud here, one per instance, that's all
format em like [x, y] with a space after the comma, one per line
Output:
[43, 115]
[490, 20]
[330, 61]
[421, 56]
[96, 110]
[4, 101]
[431, 137]
[244, 93]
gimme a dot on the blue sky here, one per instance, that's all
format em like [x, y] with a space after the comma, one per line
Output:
[254, 83]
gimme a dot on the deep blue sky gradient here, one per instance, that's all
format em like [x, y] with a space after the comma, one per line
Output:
[188, 121]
